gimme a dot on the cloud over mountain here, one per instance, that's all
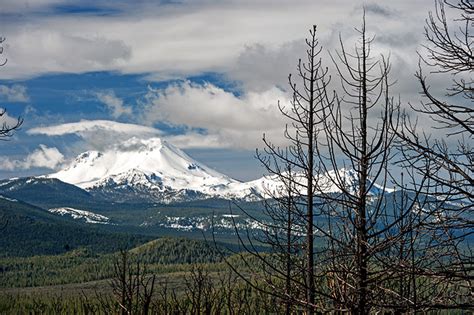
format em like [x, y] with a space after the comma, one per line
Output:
[86, 128]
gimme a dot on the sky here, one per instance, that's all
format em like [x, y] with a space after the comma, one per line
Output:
[204, 75]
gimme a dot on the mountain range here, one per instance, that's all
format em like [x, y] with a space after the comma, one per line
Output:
[143, 187]
[154, 171]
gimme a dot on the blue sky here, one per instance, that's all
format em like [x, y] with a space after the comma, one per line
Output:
[64, 98]
[207, 75]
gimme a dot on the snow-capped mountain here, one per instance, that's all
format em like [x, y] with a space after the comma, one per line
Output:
[154, 170]
[151, 162]
[144, 169]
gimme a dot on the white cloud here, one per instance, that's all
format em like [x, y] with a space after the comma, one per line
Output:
[43, 157]
[182, 38]
[178, 40]
[232, 121]
[96, 134]
[114, 104]
[234, 38]
[255, 67]
[100, 134]
[58, 51]
[14, 93]
[87, 128]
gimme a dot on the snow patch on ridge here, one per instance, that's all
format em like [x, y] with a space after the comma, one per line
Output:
[9, 199]
[206, 223]
[77, 214]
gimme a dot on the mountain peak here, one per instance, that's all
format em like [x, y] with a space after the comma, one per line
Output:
[87, 157]
[152, 160]
[150, 144]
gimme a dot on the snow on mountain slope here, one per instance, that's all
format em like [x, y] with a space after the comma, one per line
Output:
[154, 170]
[329, 182]
[151, 164]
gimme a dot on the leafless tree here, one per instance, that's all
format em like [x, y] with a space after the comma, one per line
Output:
[295, 168]
[378, 249]
[201, 292]
[287, 272]
[385, 251]
[447, 161]
[6, 129]
[131, 286]
[354, 153]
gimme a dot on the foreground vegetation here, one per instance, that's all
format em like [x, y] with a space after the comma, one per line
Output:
[163, 255]
[212, 296]
[178, 275]
[164, 276]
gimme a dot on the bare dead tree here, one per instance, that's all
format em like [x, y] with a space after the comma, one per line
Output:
[383, 249]
[283, 270]
[378, 249]
[296, 169]
[354, 155]
[351, 228]
[288, 271]
[228, 283]
[6, 129]
[448, 52]
[201, 292]
[131, 286]
[447, 161]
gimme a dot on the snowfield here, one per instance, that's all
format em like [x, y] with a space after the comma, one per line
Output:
[87, 216]
[205, 223]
